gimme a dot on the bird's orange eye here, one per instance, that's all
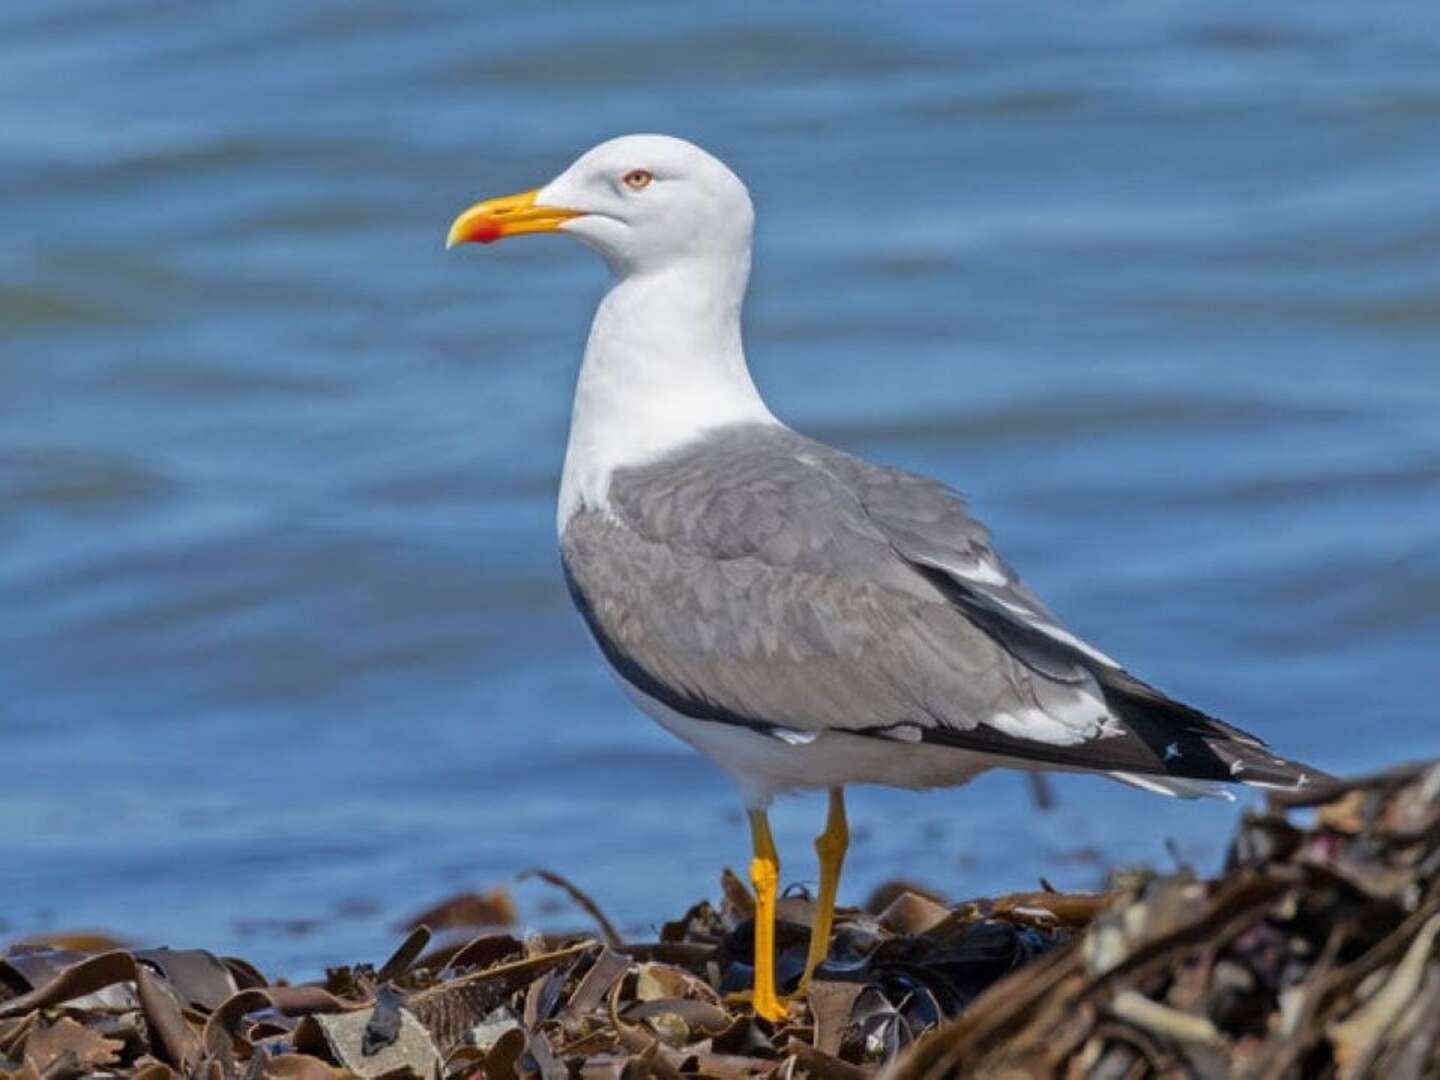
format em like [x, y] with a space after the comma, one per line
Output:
[637, 179]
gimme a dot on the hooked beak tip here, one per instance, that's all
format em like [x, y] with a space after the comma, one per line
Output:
[511, 215]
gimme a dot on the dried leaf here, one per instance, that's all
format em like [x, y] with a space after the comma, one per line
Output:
[1357, 1037]
[830, 1005]
[655, 981]
[596, 983]
[500, 1061]
[76, 980]
[90, 1049]
[403, 957]
[303, 1067]
[1162, 1020]
[913, 914]
[175, 1041]
[738, 903]
[494, 908]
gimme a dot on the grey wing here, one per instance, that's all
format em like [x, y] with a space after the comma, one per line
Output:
[770, 601]
[766, 580]
[930, 526]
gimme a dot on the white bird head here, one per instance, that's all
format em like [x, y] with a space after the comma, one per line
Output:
[644, 202]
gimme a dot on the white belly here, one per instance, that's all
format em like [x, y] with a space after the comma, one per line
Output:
[764, 766]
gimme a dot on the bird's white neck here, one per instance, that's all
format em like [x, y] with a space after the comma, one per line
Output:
[664, 363]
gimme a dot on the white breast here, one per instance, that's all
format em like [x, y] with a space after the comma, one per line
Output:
[664, 364]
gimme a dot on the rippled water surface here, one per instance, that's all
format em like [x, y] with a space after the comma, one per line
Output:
[282, 633]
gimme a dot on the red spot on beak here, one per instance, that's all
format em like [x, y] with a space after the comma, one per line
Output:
[485, 232]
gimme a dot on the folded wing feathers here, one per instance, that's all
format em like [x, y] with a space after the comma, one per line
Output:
[1195, 754]
[762, 559]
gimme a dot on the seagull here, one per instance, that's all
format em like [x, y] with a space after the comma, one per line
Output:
[804, 617]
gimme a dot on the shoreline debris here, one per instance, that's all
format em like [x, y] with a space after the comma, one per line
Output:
[1313, 954]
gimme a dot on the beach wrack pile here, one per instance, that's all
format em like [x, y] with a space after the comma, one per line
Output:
[1313, 954]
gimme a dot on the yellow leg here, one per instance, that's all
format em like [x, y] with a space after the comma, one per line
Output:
[765, 876]
[830, 846]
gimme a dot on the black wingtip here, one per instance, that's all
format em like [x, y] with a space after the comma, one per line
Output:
[1196, 746]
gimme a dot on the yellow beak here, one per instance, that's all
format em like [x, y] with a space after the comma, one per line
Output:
[510, 215]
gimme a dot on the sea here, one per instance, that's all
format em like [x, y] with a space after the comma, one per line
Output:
[285, 652]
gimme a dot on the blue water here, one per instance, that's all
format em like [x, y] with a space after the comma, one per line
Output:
[282, 632]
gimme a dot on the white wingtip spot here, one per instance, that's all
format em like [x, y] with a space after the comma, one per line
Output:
[793, 737]
[982, 573]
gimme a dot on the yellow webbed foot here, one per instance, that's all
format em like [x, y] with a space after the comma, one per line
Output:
[773, 1007]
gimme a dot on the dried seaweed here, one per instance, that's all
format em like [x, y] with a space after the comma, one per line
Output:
[1312, 955]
